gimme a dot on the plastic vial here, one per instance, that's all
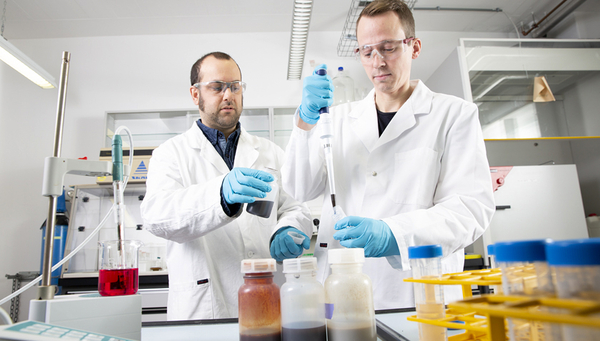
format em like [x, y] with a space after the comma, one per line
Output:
[258, 302]
[263, 207]
[349, 298]
[576, 266]
[343, 87]
[496, 289]
[525, 272]
[302, 302]
[426, 262]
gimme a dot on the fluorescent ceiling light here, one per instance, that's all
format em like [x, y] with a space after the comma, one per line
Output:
[24, 65]
[299, 37]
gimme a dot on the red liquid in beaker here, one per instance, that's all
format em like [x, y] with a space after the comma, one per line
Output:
[117, 282]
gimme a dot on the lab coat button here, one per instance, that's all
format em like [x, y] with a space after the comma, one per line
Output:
[250, 254]
[374, 173]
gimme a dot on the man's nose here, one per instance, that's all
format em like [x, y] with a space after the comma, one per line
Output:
[377, 58]
[227, 94]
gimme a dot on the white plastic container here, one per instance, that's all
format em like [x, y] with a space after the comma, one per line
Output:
[426, 262]
[496, 289]
[302, 301]
[349, 298]
[525, 272]
[576, 266]
[343, 87]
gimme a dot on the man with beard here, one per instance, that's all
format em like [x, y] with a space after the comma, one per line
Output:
[197, 185]
[410, 164]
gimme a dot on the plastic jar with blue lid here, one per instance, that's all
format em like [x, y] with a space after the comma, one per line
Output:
[426, 262]
[576, 266]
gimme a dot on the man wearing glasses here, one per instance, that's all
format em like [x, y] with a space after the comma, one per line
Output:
[198, 183]
[410, 164]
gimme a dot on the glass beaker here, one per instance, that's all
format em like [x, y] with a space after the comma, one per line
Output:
[262, 207]
[118, 267]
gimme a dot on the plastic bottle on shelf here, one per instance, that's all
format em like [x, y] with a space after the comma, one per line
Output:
[525, 272]
[426, 262]
[343, 87]
[302, 302]
[259, 308]
[349, 298]
[576, 265]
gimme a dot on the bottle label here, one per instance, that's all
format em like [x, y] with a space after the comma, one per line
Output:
[328, 310]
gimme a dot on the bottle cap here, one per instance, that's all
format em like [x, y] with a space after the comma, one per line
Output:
[346, 256]
[574, 252]
[259, 265]
[340, 68]
[521, 251]
[490, 250]
[424, 251]
[302, 264]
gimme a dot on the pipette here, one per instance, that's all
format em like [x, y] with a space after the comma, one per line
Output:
[326, 137]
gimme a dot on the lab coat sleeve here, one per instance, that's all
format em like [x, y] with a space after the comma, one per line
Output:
[303, 172]
[463, 203]
[175, 212]
[291, 212]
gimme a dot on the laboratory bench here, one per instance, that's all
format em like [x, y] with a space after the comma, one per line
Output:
[391, 326]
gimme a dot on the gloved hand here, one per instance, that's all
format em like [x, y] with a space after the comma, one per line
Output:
[375, 236]
[242, 185]
[283, 246]
[316, 94]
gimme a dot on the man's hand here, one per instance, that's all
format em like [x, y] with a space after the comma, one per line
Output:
[316, 94]
[375, 236]
[243, 185]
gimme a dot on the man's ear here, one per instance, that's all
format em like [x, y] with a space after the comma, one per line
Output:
[195, 94]
[416, 48]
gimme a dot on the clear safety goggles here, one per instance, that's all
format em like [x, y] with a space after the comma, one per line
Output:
[218, 87]
[386, 50]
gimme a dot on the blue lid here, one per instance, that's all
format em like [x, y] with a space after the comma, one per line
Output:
[340, 68]
[425, 251]
[521, 251]
[490, 249]
[574, 252]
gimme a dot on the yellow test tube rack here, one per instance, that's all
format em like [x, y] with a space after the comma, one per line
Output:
[484, 316]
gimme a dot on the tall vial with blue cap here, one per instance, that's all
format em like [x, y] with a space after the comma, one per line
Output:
[525, 272]
[343, 84]
[576, 266]
[426, 262]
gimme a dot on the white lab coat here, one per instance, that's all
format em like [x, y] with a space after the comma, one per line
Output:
[205, 247]
[427, 177]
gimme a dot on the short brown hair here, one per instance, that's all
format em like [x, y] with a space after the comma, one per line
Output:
[196, 74]
[399, 7]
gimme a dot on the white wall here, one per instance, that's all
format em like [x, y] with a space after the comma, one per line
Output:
[135, 73]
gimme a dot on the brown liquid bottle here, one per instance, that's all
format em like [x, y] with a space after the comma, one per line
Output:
[259, 307]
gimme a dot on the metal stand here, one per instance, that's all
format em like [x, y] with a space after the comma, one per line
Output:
[17, 279]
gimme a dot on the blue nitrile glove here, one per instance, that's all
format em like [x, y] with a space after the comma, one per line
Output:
[283, 245]
[316, 94]
[242, 185]
[375, 236]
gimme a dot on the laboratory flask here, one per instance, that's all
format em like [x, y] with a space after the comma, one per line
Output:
[302, 301]
[118, 267]
[343, 87]
[259, 313]
[349, 298]
[263, 207]
[576, 268]
[525, 272]
[426, 263]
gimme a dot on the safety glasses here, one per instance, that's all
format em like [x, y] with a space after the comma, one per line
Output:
[386, 50]
[218, 87]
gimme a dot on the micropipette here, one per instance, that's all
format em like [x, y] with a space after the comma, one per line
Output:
[326, 137]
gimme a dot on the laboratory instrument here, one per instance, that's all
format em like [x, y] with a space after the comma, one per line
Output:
[576, 265]
[426, 262]
[263, 207]
[259, 314]
[302, 301]
[525, 272]
[343, 87]
[349, 304]
[118, 267]
[37, 331]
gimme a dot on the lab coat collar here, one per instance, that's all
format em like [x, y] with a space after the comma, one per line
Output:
[245, 155]
[365, 125]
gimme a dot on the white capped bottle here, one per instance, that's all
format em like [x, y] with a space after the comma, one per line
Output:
[343, 87]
